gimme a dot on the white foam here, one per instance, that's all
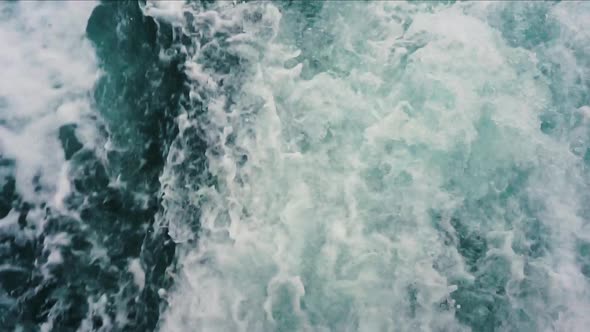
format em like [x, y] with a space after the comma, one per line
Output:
[328, 225]
[97, 308]
[47, 72]
[138, 273]
[169, 11]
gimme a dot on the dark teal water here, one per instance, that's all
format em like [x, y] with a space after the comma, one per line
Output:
[294, 166]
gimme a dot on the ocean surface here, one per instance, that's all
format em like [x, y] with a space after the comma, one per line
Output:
[294, 166]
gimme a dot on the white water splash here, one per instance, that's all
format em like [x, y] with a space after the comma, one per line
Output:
[48, 71]
[347, 214]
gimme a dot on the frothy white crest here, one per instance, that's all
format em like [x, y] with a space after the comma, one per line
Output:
[169, 11]
[47, 73]
[329, 226]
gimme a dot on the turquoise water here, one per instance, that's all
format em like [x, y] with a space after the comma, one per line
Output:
[295, 166]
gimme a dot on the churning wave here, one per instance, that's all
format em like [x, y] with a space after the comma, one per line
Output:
[295, 166]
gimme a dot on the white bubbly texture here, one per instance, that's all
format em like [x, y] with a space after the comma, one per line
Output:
[336, 221]
[48, 72]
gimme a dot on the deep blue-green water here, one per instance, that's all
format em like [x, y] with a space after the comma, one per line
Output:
[294, 166]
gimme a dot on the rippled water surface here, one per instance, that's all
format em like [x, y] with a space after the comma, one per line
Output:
[295, 166]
